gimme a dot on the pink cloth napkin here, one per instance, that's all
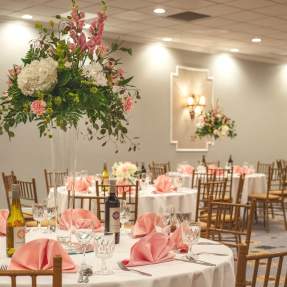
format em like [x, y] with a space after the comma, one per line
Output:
[38, 255]
[212, 169]
[243, 170]
[186, 169]
[81, 184]
[71, 217]
[151, 249]
[146, 224]
[163, 184]
[3, 217]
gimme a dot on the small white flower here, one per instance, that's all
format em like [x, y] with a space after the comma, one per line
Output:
[94, 71]
[224, 130]
[40, 75]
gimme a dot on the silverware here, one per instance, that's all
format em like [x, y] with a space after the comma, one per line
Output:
[3, 267]
[195, 261]
[211, 253]
[124, 268]
[207, 243]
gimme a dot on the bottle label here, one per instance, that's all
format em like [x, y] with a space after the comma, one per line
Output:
[19, 236]
[115, 220]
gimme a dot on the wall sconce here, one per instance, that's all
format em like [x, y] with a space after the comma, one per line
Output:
[195, 104]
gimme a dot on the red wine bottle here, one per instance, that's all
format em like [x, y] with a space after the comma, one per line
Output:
[112, 213]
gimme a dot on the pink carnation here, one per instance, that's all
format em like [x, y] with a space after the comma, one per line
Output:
[38, 107]
[128, 104]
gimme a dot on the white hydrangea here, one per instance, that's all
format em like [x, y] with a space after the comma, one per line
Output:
[224, 130]
[124, 170]
[94, 71]
[40, 75]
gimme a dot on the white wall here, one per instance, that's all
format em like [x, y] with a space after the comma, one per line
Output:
[253, 94]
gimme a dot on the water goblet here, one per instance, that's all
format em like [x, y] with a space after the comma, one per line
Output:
[38, 211]
[50, 214]
[84, 235]
[190, 235]
[124, 215]
[104, 249]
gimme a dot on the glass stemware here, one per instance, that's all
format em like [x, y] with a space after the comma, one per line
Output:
[50, 214]
[104, 249]
[84, 235]
[124, 215]
[190, 235]
[38, 210]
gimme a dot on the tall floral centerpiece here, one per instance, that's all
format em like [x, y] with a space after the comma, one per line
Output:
[70, 76]
[214, 124]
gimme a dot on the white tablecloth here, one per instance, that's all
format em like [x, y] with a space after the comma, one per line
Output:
[183, 200]
[253, 183]
[169, 274]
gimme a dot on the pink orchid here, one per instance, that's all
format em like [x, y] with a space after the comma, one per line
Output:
[38, 107]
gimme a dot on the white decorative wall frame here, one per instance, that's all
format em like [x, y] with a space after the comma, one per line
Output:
[183, 83]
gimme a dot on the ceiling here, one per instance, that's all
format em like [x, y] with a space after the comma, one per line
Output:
[233, 23]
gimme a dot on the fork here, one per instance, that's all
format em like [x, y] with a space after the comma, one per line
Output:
[124, 268]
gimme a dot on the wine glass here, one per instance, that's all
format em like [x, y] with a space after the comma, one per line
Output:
[190, 235]
[38, 210]
[50, 214]
[84, 235]
[124, 215]
[104, 249]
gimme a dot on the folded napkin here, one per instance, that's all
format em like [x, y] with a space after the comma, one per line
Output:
[146, 224]
[176, 240]
[243, 170]
[186, 169]
[3, 217]
[81, 184]
[71, 217]
[38, 255]
[151, 249]
[163, 184]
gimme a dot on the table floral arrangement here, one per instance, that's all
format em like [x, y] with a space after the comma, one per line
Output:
[68, 75]
[124, 172]
[215, 124]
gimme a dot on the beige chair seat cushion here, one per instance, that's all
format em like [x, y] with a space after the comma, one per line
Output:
[263, 196]
[279, 192]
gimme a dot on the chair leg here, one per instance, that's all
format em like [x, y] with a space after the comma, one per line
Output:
[256, 214]
[284, 214]
[272, 210]
[264, 214]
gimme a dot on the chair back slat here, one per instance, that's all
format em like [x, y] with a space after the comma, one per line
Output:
[263, 167]
[158, 169]
[239, 191]
[202, 177]
[55, 273]
[28, 192]
[53, 179]
[8, 180]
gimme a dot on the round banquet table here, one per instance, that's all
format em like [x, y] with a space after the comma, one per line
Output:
[183, 200]
[168, 274]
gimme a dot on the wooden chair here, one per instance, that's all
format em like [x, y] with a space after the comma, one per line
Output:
[263, 167]
[158, 169]
[202, 177]
[240, 189]
[8, 180]
[275, 195]
[53, 179]
[206, 192]
[267, 267]
[213, 163]
[28, 192]
[230, 223]
[56, 274]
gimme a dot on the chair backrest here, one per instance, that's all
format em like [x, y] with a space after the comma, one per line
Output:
[262, 269]
[207, 190]
[276, 180]
[129, 193]
[53, 179]
[28, 192]
[56, 274]
[200, 176]
[263, 167]
[8, 180]
[230, 223]
[158, 169]
[240, 189]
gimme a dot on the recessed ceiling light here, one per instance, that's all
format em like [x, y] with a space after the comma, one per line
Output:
[27, 17]
[256, 40]
[167, 39]
[159, 11]
[234, 50]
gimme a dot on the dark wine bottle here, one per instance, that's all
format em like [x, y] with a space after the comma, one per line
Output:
[143, 170]
[230, 161]
[112, 213]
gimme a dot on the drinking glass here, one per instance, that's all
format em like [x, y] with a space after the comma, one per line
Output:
[124, 215]
[84, 235]
[104, 249]
[190, 235]
[38, 210]
[50, 214]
